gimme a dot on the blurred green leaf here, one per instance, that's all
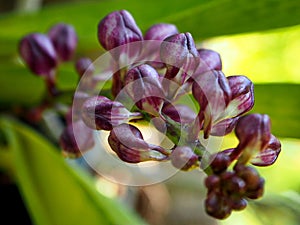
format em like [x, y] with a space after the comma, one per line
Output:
[55, 192]
[282, 103]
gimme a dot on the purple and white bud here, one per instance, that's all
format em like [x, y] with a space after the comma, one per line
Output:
[242, 99]
[180, 55]
[269, 155]
[64, 39]
[38, 53]
[183, 157]
[75, 147]
[127, 142]
[101, 113]
[142, 84]
[213, 93]
[118, 28]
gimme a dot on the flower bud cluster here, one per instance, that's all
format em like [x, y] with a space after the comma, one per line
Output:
[153, 71]
[230, 190]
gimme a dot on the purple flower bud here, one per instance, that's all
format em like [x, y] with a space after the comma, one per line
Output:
[84, 66]
[213, 93]
[127, 142]
[144, 88]
[75, 147]
[38, 53]
[209, 60]
[151, 50]
[253, 132]
[118, 28]
[64, 39]
[178, 51]
[183, 157]
[101, 113]
[160, 31]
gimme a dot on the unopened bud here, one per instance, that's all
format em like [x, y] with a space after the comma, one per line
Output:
[144, 88]
[118, 28]
[127, 142]
[74, 146]
[178, 51]
[38, 53]
[101, 113]
[64, 39]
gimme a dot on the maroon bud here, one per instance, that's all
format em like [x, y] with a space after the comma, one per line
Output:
[249, 175]
[253, 132]
[212, 182]
[127, 142]
[179, 51]
[64, 39]
[38, 53]
[238, 203]
[118, 28]
[257, 192]
[183, 157]
[144, 88]
[84, 66]
[220, 162]
[75, 147]
[209, 60]
[217, 206]
[235, 185]
[101, 113]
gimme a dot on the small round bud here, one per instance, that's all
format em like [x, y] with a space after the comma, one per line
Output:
[238, 203]
[236, 185]
[249, 175]
[258, 191]
[220, 162]
[64, 39]
[217, 206]
[212, 182]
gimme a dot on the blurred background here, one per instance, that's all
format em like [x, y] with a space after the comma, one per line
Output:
[259, 43]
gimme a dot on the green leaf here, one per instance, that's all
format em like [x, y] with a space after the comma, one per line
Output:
[282, 103]
[55, 192]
